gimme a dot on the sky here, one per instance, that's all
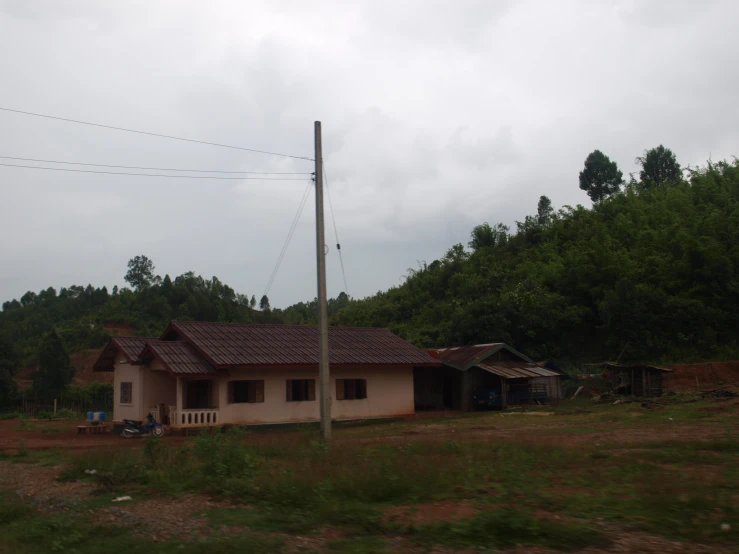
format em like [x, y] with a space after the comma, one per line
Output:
[437, 116]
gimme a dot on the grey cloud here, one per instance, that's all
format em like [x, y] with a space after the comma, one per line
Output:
[436, 115]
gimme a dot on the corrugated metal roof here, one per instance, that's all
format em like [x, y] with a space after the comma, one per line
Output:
[610, 365]
[232, 344]
[131, 347]
[516, 370]
[465, 356]
[178, 358]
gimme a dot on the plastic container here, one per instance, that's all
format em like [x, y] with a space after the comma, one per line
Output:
[90, 415]
[101, 416]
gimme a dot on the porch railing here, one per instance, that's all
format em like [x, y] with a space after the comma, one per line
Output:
[193, 417]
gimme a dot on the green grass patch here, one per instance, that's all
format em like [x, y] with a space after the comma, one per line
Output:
[504, 528]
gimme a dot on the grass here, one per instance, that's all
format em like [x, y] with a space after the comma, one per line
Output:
[26, 531]
[553, 492]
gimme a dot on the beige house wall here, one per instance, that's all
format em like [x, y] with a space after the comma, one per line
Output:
[125, 372]
[389, 393]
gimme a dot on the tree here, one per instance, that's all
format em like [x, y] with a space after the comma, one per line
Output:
[55, 371]
[140, 273]
[115, 290]
[482, 236]
[264, 303]
[659, 167]
[600, 177]
[253, 302]
[9, 361]
[544, 210]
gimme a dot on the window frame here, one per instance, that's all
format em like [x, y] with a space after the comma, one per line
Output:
[351, 389]
[254, 391]
[130, 393]
[307, 389]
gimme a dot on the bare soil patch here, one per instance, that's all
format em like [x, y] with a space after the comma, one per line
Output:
[433, 512]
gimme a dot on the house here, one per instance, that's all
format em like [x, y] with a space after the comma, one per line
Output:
[468, 370]
[636, 380]
[206, 374]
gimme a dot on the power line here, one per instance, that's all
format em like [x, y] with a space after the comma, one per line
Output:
[156, 168]
[336, 233]
[156, 134]
[289, 237]
[157, 174]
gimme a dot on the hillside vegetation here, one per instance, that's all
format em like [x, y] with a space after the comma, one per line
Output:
[649, 273]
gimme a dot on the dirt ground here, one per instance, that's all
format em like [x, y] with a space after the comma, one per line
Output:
[685, 376]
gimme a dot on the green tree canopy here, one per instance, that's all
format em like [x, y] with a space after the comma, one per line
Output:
[600, 177]
[54, 371]
[544, 211]
[140, 273]
[264, 303]
[659, 167]
[9, 361]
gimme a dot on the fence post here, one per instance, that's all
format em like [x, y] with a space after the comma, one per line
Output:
[55, 406]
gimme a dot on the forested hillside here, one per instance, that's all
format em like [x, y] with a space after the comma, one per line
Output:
[649, 273]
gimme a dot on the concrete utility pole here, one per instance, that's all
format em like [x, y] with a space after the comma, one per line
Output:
[324, 381]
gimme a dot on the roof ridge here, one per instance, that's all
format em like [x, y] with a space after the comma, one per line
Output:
[271, 325]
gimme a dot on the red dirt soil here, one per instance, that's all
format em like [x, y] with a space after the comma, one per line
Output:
[710, 373]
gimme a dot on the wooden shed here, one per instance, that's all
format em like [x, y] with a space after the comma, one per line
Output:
[637, 380]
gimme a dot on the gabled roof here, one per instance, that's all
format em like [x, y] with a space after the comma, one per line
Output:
[177, 357]
[611, 365]
[129, 347]
[226, 345]
[465, 357]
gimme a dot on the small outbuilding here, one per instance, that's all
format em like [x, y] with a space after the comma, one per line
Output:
[482, 375]
[637, 380]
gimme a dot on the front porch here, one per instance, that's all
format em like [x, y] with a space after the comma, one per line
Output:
[197, 405]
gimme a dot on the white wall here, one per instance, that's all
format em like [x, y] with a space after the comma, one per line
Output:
[159, 387]
[389, 393]
[125, 372]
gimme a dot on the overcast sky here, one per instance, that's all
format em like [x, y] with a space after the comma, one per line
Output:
[437, 116]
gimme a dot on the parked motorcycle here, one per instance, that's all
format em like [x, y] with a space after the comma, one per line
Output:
[133, 428]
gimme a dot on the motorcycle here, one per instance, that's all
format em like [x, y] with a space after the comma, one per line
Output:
[133, 428]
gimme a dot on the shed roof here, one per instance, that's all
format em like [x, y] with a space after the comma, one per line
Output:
[465, 357]
[231, 344]
[516, 370]
[611, 365]
[178, 358]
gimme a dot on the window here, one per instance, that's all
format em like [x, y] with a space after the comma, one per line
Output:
[351, 389]
[127, 393]
[242, 392]
[299, 390]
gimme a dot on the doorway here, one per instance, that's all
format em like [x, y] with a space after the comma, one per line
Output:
[199, 395]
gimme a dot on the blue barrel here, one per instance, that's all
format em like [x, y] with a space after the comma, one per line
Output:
[90, 416]
[101, 416]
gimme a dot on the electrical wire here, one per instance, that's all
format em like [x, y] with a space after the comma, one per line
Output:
[290, 233]
[156, 168]
[336, 233]
[157, 134]
[157, 174]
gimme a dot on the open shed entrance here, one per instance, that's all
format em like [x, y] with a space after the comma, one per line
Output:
[437, 389]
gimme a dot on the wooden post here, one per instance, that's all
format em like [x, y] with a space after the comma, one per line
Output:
[55, 406]
[643, 382]
[323, 369]
[178, 415]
